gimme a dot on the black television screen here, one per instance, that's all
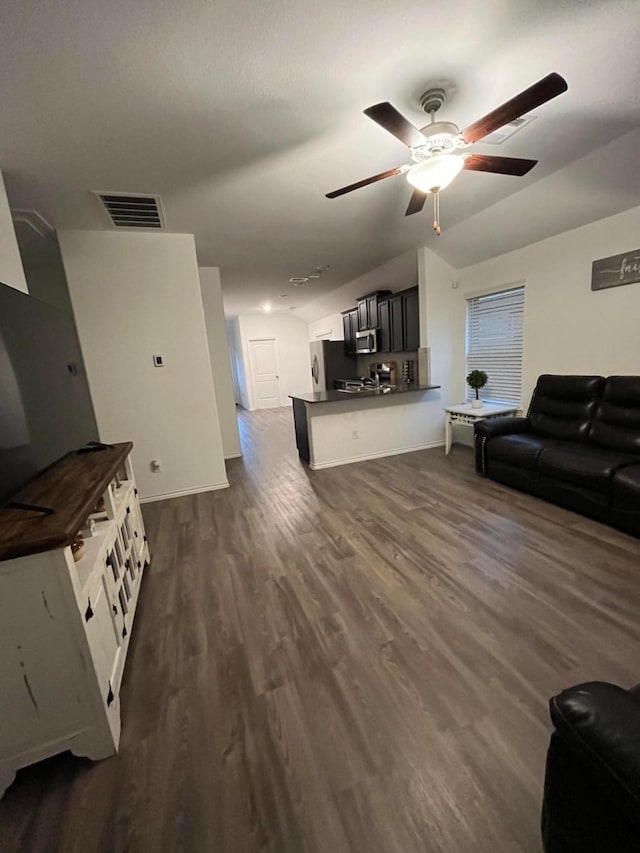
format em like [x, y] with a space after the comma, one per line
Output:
[45, 405]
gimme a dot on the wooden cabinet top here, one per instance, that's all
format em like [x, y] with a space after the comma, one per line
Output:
[71, 487]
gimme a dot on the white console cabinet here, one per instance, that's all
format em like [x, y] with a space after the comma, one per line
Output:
[65, 626]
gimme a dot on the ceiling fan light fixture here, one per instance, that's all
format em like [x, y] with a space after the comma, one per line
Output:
[435, 173]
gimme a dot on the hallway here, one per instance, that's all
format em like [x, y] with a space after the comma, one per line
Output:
[353, 660]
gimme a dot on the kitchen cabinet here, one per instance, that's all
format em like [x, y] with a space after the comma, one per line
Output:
[372, 311]
[363, 315]
[399, 322]
[384, 334]
[346, 329]
[410, 319]
[349, 328]
[368, 310]
[396, 335]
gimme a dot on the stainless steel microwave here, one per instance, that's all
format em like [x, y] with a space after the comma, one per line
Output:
[367, 341]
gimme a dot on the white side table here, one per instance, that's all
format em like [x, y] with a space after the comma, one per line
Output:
[465, 414]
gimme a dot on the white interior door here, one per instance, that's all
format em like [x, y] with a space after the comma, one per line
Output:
[264, 373]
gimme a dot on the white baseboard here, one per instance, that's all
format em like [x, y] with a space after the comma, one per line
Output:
[183, 492]
[232, 456]
[347, 460]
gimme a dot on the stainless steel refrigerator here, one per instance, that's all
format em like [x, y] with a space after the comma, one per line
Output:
[329, 362]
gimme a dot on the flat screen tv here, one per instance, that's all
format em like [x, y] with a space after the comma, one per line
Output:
[45, 405]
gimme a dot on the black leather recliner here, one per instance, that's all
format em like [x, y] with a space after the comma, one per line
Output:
[579, 447]
[592, 782]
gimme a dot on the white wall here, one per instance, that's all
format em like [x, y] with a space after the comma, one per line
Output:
[11, 270]
[211, 290]
[292, 349]
[332, 323]
[136, 295]
[567, 327]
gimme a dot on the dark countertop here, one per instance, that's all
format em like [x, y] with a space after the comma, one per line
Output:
[344, 396]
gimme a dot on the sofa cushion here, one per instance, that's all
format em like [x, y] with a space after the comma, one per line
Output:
[563, 406]
[519, 449]
[587, 466]
[616, 423]
[626, 490]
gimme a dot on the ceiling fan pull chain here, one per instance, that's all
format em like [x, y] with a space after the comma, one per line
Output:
[436, 212]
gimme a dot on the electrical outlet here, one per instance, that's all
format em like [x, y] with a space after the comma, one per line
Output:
[354, 434]
[155, 465]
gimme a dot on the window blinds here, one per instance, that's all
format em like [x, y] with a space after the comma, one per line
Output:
[494, 343]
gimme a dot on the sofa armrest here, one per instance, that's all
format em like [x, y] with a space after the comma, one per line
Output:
[600, 725]
[491, 427]
[501, 426]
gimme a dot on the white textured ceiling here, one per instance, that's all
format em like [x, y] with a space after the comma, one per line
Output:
[242, 114]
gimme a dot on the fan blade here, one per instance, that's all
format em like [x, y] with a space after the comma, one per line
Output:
[544, 90]
[365, 182]
[500, 165]
[416, 202]
[388, 117]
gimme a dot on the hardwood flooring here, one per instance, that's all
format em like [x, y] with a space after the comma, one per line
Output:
[353, 660]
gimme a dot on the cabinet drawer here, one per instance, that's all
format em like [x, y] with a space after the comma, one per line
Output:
[101, 634]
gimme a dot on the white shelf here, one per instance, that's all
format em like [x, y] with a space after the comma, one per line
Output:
[94, 548]
[123, 496]
[63, 633]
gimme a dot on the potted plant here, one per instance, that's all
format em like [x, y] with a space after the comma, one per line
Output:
[477, 379]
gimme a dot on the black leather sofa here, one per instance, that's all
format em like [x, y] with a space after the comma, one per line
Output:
[579, 447]
[592, 782]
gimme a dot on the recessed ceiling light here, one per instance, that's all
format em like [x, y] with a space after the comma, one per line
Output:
[322, 267]
[314, 275]
[298, 280]
[267, 308]
[284, 296]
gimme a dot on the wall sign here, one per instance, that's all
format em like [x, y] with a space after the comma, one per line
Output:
[617, 270]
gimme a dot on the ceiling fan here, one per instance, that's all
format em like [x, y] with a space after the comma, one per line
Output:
[433, 147]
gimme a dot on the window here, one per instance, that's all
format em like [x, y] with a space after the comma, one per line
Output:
[494, 343]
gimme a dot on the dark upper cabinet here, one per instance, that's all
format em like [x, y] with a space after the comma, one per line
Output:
[368, 310]
[346, 330]
[384, 335]
[396, 336]
[372, 311]
[363, 316]
[411, 319]
[353, 316]
[399, 322]
[354, 329]
[349, 328]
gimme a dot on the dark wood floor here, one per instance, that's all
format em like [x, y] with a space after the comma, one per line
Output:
[354, 660]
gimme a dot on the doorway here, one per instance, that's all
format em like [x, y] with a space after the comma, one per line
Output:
[265, 379]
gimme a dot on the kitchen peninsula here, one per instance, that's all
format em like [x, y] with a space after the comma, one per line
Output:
[338, 427]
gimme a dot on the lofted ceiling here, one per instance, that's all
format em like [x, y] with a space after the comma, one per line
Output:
[243, 114]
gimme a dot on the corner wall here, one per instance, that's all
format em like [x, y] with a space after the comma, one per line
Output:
[567, 327]
[11, 269]
[136, 295]
[332, 324]
[213, 305]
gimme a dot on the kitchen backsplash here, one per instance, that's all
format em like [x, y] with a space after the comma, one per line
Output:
[364, 362]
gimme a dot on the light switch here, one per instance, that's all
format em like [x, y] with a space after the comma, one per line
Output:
[158, 361]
